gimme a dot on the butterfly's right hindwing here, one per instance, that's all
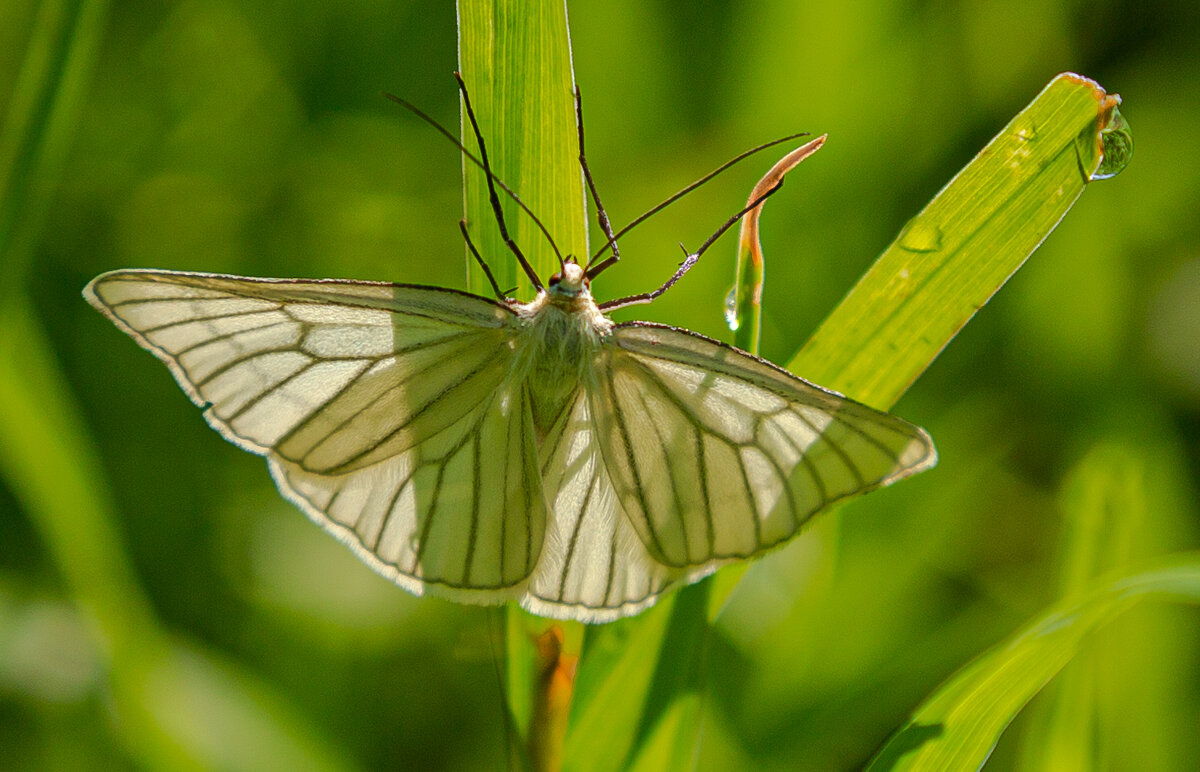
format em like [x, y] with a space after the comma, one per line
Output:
[594, 567]
[462, 511]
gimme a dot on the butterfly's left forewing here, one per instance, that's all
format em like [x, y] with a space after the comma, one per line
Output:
[716, 455]
[386, 411]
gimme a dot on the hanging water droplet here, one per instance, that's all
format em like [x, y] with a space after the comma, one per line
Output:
[1117, 141]
[920, 236]
[732, 315]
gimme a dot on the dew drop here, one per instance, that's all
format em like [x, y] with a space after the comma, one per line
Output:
[920, 236]
[1117, 141]
[732, 313]
[1026, 132]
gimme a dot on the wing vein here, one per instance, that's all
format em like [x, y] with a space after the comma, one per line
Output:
[568, 560]
[671, 477]
[370, 448]
[473, 533]
[227, 336]
[638, 488]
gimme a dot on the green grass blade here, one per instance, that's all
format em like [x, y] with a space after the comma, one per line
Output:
[516, 60]
[616, 676]
[958, 252]
[1104, 507]
[1124, 501]
[54, 471]
[671, 743]
[944, 266]
[953, 256]
[39, 123]
[959, 725]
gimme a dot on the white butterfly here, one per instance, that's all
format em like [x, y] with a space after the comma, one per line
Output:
[482, 451]
[488, 450]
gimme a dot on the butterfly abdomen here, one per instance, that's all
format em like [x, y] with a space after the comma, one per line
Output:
[555, 351]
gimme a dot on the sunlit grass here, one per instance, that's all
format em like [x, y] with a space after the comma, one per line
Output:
[246, 138]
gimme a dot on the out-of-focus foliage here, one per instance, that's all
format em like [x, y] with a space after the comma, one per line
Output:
[251, 138]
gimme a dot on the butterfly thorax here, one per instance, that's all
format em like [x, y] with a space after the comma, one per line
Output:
[563, 332]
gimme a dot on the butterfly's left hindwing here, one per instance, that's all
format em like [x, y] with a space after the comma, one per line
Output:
[386, 411]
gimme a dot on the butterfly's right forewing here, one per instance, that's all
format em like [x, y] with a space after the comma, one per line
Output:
[330, 375]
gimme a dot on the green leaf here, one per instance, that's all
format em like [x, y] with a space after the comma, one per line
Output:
[1104, 507]
[671, 743]
[515, 58]
[962, 247]
[965, 244]
[179, 704]
[616, 675]
[39, 123]
[1122, 502]
[953, 256]
[943, 267]
[959, 725]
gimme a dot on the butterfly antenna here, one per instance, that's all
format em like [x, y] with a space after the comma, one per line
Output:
[473, 159]
[500, 295]
[601, 215]
[595, 270]
[495, 199]
[691, 259]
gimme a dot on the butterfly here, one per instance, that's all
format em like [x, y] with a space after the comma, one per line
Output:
[485, 450]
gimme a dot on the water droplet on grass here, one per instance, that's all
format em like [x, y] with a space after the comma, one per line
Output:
[920, 236]
[1117, 141]
[732, 313]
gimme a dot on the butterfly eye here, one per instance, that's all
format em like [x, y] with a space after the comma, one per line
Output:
[555, 280]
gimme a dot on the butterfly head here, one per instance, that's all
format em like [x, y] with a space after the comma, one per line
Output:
[571, 281]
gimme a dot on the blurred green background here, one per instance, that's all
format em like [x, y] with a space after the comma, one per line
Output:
[251, 138]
